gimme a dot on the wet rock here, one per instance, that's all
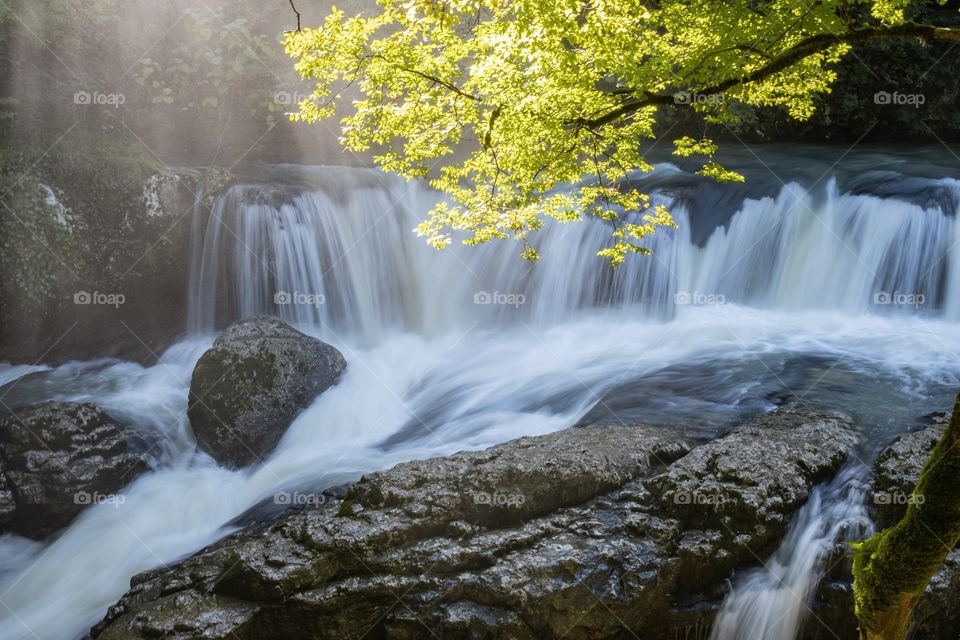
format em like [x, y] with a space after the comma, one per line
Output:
[58, 458]
[248, 388]
[897, 469]
[516, 481]
[744, 474]
[8, 505]
[937, 615]
[749, 482]
[585, 539]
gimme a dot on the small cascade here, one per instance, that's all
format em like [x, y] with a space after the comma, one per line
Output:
[309, 257]
[773, 602]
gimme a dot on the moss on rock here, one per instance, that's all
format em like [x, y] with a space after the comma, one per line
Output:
[248, 388]
[893, 567]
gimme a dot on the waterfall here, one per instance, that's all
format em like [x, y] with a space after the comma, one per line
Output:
[312, 257]
[845, 296]
[774, 601]
[341, 254]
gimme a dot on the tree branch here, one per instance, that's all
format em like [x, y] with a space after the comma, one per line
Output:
[298, 15]
[443, 83]
[803, 49]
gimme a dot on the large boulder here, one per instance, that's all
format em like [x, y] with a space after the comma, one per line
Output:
[248, 388]
[578, 534]
[58, 458]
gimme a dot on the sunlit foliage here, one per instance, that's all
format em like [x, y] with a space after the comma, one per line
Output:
[500, 103]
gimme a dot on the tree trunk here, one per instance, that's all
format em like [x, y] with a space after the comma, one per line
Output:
[892, 568]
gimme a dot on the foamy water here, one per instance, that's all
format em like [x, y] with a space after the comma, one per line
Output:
[780, 303]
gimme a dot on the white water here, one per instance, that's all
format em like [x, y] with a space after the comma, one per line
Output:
[349, 245]
[773, 602]
[431, 372]
[9, 373]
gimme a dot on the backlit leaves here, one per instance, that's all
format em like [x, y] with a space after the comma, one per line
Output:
[529, 111]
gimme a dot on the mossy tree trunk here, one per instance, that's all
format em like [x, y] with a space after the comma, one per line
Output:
[892, 568]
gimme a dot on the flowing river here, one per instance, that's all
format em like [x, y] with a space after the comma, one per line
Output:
[834, 290]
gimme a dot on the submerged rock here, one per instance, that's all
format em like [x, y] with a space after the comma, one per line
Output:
[248, 388]
[58, 458]
[588, 533]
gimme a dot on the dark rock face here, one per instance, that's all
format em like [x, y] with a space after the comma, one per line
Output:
[8, 504]
[938, 612]
[589, 533]
[58, 458]
[117, 283]
[252, 383]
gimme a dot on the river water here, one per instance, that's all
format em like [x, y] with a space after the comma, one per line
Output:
[833, 289]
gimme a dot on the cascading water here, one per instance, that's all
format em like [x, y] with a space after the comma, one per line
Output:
[750, 302]
[344, 256]
[345, 248]
[773, 602]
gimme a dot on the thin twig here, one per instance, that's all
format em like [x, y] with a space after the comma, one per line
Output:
[298, 15]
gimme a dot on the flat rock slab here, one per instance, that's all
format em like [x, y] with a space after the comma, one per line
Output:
[578, 534]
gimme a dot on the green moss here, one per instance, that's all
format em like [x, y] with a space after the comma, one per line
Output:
[304, 539]
[229, 385]
[896, 564]
[346, 508]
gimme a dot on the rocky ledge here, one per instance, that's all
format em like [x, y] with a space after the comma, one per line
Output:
[595, 532]
[58, 458]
